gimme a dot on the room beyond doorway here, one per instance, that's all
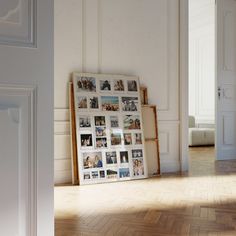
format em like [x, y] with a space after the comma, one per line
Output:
[201, 101]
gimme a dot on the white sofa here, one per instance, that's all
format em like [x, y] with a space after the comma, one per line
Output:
[200, 136]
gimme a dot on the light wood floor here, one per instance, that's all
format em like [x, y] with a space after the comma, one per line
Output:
[201, 203]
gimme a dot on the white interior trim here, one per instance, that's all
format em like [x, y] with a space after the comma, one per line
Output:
[183, 34]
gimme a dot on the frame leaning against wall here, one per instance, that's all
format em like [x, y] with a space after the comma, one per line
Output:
[125, 142]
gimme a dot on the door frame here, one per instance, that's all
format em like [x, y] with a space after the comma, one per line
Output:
[184, 82]
[183, 75]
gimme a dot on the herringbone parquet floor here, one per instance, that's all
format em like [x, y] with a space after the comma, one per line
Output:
[200, 203]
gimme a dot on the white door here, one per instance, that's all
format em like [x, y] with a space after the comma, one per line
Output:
[26, 118]
[226, 80]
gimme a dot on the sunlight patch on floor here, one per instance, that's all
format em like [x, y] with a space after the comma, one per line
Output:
[133, 196]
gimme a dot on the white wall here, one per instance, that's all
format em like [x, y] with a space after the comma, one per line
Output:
[202, 60]
[134, 37]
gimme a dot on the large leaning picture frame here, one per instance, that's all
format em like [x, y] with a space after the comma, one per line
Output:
[109, 129]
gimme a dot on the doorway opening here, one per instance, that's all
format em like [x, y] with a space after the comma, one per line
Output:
[201, 86]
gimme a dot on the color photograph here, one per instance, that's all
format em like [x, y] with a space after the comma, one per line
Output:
[111, 173]
[124, 173]
[119, 85]
[93, 102]
[124, 157]
[132, 122]
[100, 131]
[110, 103]
[115, 139]
[138, 167]
[138, 139]
[111, 158]
[114, 121]
[94, 174]
[137, 153]
[129, 103]
[100, 120]
[92, 160]
[82, 102]
[128, 139]
[132, 85]
[102, 174]
[84, 121]
[105, 85]
[101, 142]
[86, 140]
[86, 84]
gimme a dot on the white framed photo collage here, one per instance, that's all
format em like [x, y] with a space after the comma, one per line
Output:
[110, 140]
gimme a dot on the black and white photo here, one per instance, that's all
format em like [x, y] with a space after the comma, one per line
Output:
[93, 102]
[124, 157]
[111, 158]
[129, 103]
[132, 85]
[84, 121]
[105, 85]
[114, 121]
[137, 153]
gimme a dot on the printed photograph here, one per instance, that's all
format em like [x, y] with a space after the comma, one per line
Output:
[84, 121]
[86, 140]
[87, 175]
[111, 158]
[105, 85]
[86, 84]
[119, 85]
[114, 121]
[124, 157]
[100, 120]
[129, 103]
[138, 139]
[138, 168]
[124, 173]
[137, 153]
[92, 160]
[115, 139]
[132, 85]
[94, 174]
[128, 139]
[102, 174]
[100, 131]
[132, 122]
[110, 103]
[111, 173]
[93, 102]
[101, 142]
[82, 102]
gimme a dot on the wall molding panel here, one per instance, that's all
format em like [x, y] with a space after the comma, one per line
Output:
[20, 104]
[18, 22]
[62, 147]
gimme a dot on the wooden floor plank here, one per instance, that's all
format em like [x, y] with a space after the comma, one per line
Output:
[202, 202]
